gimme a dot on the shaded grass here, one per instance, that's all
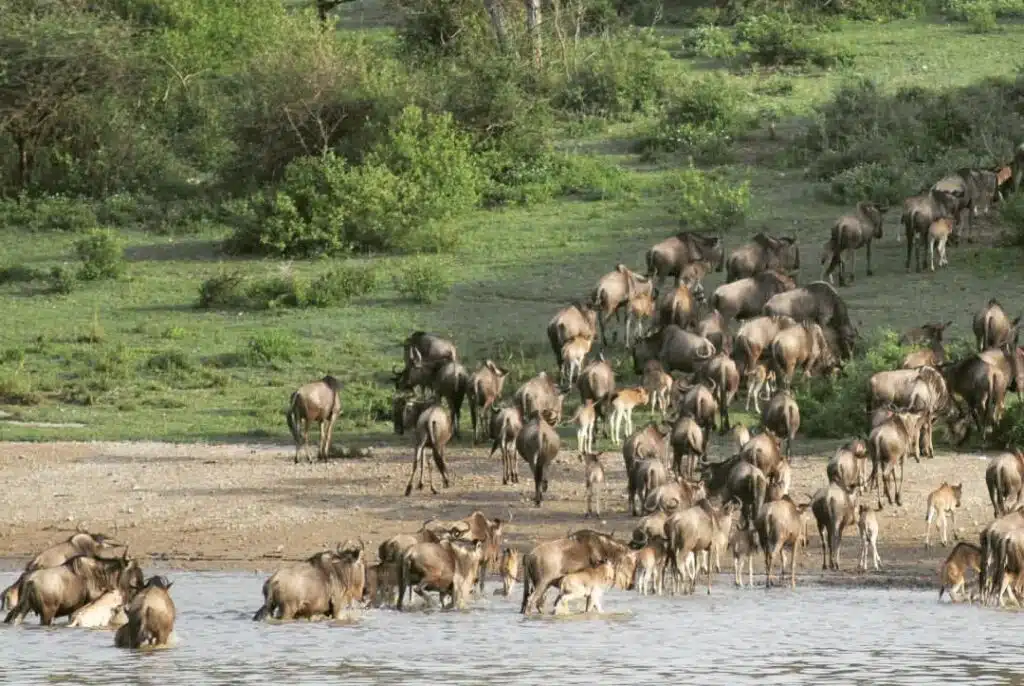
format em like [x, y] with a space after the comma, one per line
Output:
[163, 370]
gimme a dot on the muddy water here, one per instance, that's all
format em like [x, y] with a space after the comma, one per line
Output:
[844, 635]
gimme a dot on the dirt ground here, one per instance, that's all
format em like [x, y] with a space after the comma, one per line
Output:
[244, 507]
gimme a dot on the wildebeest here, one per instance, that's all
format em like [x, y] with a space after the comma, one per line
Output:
[576, 320]
[106, 612]
[694, 530]
[648, 442]
[538, 443]
[938, 235]
[970, 189]
[764, 252]
[588, 584]
[623, 402]
[942, 502]
[645, 476]
[697, 401]
[614, 290]
[511, 560]
[433, 430]
[687, 441]
[922, 334]
[477, 527]
[715, 328]
[391, 549]
[485, 387]
[981, 386]
[934, 355]
[676, 306]
[585, 420]
[593, 479]
[505, 425]
[1004, 479]
[919, 212]
[381, 586]
[597, 383]
[834, 509]
[678, 493]
[540, 395]
[850, 233]
[676, 349]
[780, 524]
[963, 557]
[52, 592]
[670, 257]
[782, 417]
[324, 584]
[427, 348]
[658, 383]
[151, 615]
[800, 346]
[889, 444]
[574, 354]
[550, 561]
[817, 302]
[754, 337]
[449, 567]
[993, 328]
[319, 402]
[724, 376]
[745, 298]
[848, 467]
[867, 527]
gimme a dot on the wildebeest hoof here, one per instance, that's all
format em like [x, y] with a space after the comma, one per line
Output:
[408, 489]
[433, 490]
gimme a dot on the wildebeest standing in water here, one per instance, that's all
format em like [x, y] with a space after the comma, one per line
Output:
[324, 584]
[314, 402]
[151, 615]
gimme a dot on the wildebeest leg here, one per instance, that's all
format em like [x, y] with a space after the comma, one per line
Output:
[442, 468]
[412, 475]
[853, 264]
[822, 532]
[769, 560]
[709, 572]
[870, 272]
[898, 488]
[538, 482]
[792, 564]
[321, 451]
[305, 439]
[910, 246]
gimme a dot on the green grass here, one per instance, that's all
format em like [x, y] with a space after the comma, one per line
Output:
[134, 358]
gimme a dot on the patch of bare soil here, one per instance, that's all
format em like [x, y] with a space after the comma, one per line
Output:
[248, 507]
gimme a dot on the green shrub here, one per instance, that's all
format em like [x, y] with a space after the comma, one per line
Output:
[837, 407]
[981, 18]
[61, 280]
[876, 182]
[275, 291]
[1012, 214]
[226, 290]
[983, 11]
[270, 348]
[1009, 432]
[342, 284]
[707, 202]
[170, 361]
[777, 40]
[422, 174]
[424, 279]
[102, 255]
[16, 389]
[20, 273]
[708, 40]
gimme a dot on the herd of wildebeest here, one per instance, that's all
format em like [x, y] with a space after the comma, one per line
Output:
[691, 354]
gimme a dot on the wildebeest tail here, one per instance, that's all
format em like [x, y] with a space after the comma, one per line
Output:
[760, 493]
[554, 338]
[433, 431]
[291, 416]
[649, 260]
[5, 598]
[527, 580]
[261, 613]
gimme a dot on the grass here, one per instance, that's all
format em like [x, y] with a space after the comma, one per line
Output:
[134, 358]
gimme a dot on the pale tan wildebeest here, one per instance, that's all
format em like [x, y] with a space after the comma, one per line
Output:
[834, 508]
[323, 584]
[52, 592]
[1004, 479]
[485, 387]
[753, 338]
[613, 291]
[538, 443]
[574, 321]
[993, 328]
[505, 425]
[850, 233]
[433, 429]
[319, 402]
[804, 346]
[764, 252]
[781, 524]
[151, 615]
[540, 395]
[106, 612]
[670, 257]
[550, 561]
[848, 466]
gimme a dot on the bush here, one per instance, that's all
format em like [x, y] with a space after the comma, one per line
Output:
[777, 40]
[171, 361]
[707, 202]
[102, 255]
[424, 280]
[226, 290]
[270, 348]
[17, 390]
[341, 284]
[1012, 214]
[1009, 432]
[708, 40]
[876, 182]
[20, 274]
[983, 12]
[423, 173]
[837, 407]
[61, 281]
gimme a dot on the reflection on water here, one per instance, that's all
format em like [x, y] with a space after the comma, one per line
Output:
[837, 635]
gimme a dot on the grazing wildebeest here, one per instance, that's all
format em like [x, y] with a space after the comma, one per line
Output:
[449, 567]
[670, 257]
[745, 298]
[574, 321]
[1004, 479]
[319, 402]
[817, 302]
[433, 430]
[676, 349]
[850, 233]
[834, 509]
[993, 328]
[548, 562]
[505, 425]
[614, 290]
[426, 348]
[538, 443]
[485, 387]
[780, 524]
[151, 616]
[764, 252]
[52, 592]
[323, 584]
[942, 502]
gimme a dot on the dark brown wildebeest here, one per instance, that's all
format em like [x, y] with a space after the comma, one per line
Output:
[538, 443]
[850, 233]
[448, 379]
[746, 298]
[834, 509]
[485, 387]
[324, 584]
[817, 302]
[697, 401]
[724, 376]
[319, 402]
[425, 348]
[982, 389]
[450, 568]
[1004, 479]
[151, 615]
[646, 443]
[576, 320]
[764, 252]
[993, 328]
[550, 561]
[52, 592]
[676, 349]
[645, 476]
[919, 212]
[433, 430]
[505, 425]
[973, 191]
[671, 256]
[613, 291]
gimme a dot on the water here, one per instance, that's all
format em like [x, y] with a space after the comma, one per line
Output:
[836, 635]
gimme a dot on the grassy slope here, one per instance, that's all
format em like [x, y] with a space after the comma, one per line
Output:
[514, 269]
